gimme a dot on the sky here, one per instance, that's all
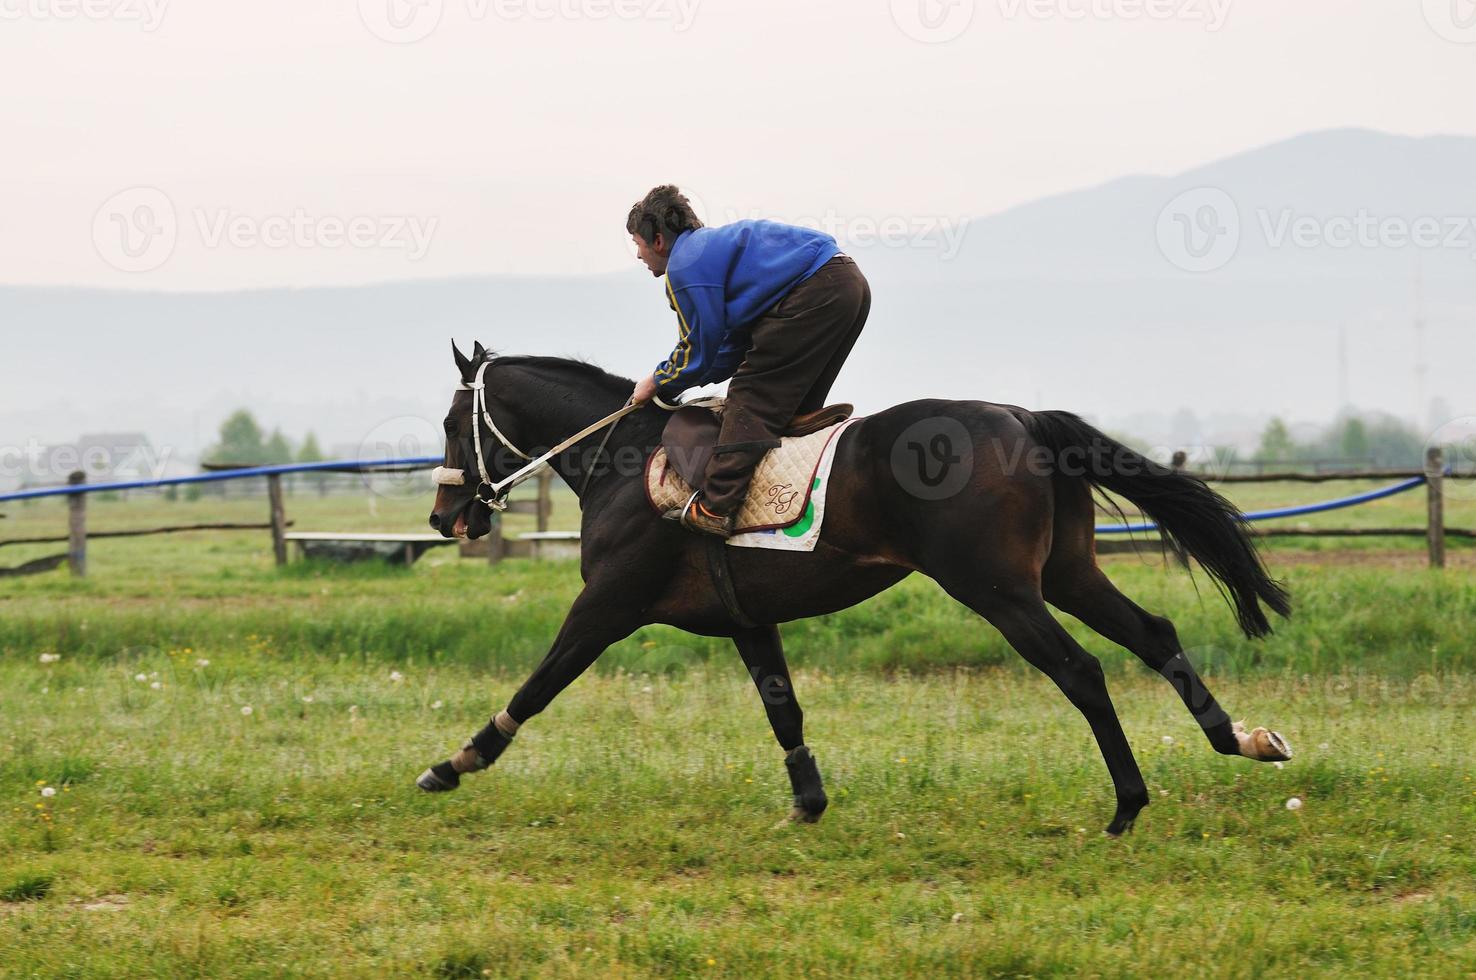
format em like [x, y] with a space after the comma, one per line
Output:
[296, 143]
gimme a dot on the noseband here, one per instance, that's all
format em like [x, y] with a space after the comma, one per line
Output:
[494, 495]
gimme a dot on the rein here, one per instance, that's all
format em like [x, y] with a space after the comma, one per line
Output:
[494, 495]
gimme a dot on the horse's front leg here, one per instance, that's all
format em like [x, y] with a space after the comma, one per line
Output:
[601, 616]
[763, 655]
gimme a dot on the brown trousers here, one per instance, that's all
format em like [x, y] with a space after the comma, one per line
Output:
[795, 352]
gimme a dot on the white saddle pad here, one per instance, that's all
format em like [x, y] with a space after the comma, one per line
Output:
[785, 506]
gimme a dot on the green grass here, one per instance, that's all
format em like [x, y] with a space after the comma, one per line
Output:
[635, 829]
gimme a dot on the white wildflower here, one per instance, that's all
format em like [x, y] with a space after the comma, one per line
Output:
[435, 705]
[1294, 804]
[140, 677]
[396, 676]
[157, 686]
[202, 662]
[50, 658]
[48, 790]
[246, 709]
[1167, 740]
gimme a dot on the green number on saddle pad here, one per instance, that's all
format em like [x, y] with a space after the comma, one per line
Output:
[799, 527]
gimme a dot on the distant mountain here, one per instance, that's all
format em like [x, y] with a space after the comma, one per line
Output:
[1087, 301]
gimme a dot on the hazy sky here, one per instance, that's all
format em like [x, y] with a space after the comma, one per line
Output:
[514, 134]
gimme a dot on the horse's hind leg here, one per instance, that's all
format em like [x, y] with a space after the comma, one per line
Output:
[1018, 612]
[763, 655]
[1072, 582]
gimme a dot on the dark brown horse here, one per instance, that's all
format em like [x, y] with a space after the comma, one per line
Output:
[991, 501]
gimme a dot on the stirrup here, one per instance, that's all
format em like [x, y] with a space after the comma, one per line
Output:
[680, 513]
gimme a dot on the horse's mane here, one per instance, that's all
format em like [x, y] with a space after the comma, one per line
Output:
[586, 372]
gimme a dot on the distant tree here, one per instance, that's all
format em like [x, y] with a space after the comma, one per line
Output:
[1353, 441]
[1392, 442]
[277, 450]
[1276, 442]
[312, 453]
[240, 442]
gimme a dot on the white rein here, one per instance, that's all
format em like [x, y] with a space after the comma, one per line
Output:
[494, 495]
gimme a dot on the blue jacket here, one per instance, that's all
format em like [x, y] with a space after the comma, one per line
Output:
[719, 281]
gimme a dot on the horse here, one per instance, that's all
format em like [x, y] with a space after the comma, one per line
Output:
[992, 501]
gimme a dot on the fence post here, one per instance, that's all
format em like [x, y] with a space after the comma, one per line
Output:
[1435, 495]
[279, 518]
[77, 526]
[545, 499]
[1180, 460]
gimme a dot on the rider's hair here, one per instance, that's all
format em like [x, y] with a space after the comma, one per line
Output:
[664, 209]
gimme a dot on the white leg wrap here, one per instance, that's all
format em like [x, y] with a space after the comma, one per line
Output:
[505, 724]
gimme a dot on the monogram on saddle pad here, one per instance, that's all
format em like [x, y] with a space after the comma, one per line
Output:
[782, 484]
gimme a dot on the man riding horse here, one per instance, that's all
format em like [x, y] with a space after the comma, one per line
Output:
[775, 307]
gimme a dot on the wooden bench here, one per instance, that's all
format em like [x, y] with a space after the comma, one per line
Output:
[397, 549]
[551, 544]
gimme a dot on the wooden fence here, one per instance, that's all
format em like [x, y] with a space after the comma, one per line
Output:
[495, 546]
[1434, 532]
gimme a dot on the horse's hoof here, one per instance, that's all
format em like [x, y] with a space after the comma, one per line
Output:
[800, 815]
[1262, 744]
[1118, 828]
[440, 778]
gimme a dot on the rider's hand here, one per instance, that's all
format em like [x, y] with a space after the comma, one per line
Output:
[645, 390]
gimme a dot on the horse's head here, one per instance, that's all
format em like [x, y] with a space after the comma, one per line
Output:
[458, 512]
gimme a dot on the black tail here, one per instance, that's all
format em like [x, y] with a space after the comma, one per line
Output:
[1193, 519]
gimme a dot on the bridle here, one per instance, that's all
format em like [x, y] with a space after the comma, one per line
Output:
[494, 495]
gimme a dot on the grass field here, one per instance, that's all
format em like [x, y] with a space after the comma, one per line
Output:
[635, 829]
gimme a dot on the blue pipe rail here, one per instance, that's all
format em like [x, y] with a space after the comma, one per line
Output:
[353, 465]
[369, 466]
[1266, 515]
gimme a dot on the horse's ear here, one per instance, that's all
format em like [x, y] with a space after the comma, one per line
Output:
[479, 353]
[462, 364]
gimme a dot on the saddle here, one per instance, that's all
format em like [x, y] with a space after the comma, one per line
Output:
[779, 496]
[691, 434]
